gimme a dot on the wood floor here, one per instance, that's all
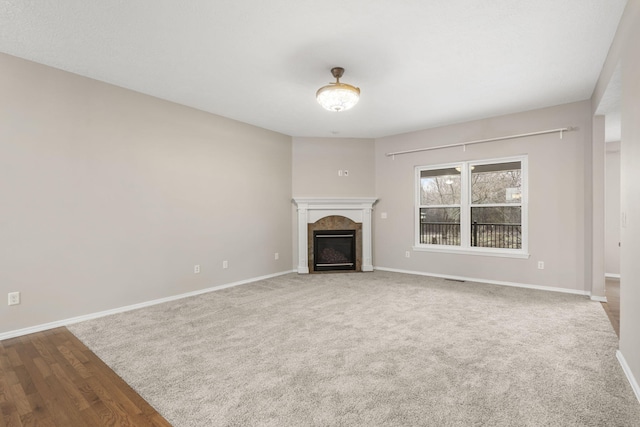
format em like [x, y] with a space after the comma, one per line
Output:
[612, 306]
[51, 379]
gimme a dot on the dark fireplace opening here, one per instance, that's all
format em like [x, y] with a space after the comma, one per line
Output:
[334, 250]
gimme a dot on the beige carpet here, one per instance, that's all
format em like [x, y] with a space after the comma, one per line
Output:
[371, 349]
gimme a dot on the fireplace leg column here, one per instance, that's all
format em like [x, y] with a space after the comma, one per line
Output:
[367, 257]
[303, 263]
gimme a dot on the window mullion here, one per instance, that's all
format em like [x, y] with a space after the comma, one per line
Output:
[465, 213]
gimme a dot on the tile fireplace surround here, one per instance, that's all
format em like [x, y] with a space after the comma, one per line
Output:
[312, 209]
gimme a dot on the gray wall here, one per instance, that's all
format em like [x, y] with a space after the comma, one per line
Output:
[612, 209]
[110, 197]
[316, 162]
[557, 191]
[629, 194]
[625, 52]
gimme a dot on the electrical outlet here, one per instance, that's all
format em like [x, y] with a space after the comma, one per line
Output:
[14, 298]
[196, 269]
[407, 254]
[340, 172]
[383, 215]
[276, 255]
[225, 264]
[540, 265]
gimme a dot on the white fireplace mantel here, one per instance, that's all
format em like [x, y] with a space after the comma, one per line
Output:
[311, 209]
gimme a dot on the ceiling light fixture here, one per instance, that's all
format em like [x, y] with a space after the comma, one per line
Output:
[338, 96]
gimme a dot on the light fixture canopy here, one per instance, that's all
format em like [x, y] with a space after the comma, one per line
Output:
[338, 96]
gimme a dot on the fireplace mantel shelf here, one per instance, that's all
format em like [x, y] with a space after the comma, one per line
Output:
[342, 202]
[311, 209]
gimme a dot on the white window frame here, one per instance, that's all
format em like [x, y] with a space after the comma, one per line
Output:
[465, 211]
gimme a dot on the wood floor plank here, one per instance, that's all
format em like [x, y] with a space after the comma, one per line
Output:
[118, 403]
[57, 414]
[28, 420]
[60, 401]
[52, 379]
[107, 416]
[76, 347]
[10, 414]
[44, 400]
[113, 412]
[2, 421]
[75, 395]
[15, 403]
[42, 349]
[8, 375]
[75, 363]
[20, 400]
[40, 412]
[13, 357]
[24, 379]
[42, 366]
[3, 389]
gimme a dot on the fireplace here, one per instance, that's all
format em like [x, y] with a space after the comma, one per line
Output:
[334, 250]
[334, 214]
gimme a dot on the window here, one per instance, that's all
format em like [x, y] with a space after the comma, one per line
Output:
[440, 206]
[477, 207]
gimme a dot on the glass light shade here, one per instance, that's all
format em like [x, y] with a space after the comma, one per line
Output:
[338, 96]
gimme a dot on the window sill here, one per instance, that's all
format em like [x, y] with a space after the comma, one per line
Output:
[480, 251]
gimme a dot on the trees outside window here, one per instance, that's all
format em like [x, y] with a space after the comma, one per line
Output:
[472, 205]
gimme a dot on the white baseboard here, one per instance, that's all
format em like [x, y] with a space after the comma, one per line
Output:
[491, 282]
[599, 299]
[629, 374]
[612, 276]
[72, 320]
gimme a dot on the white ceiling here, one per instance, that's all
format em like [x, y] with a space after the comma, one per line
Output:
[419, 63]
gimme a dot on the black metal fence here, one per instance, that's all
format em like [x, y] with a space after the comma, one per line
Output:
[485, 235]
[440, 233]
[496, 235]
